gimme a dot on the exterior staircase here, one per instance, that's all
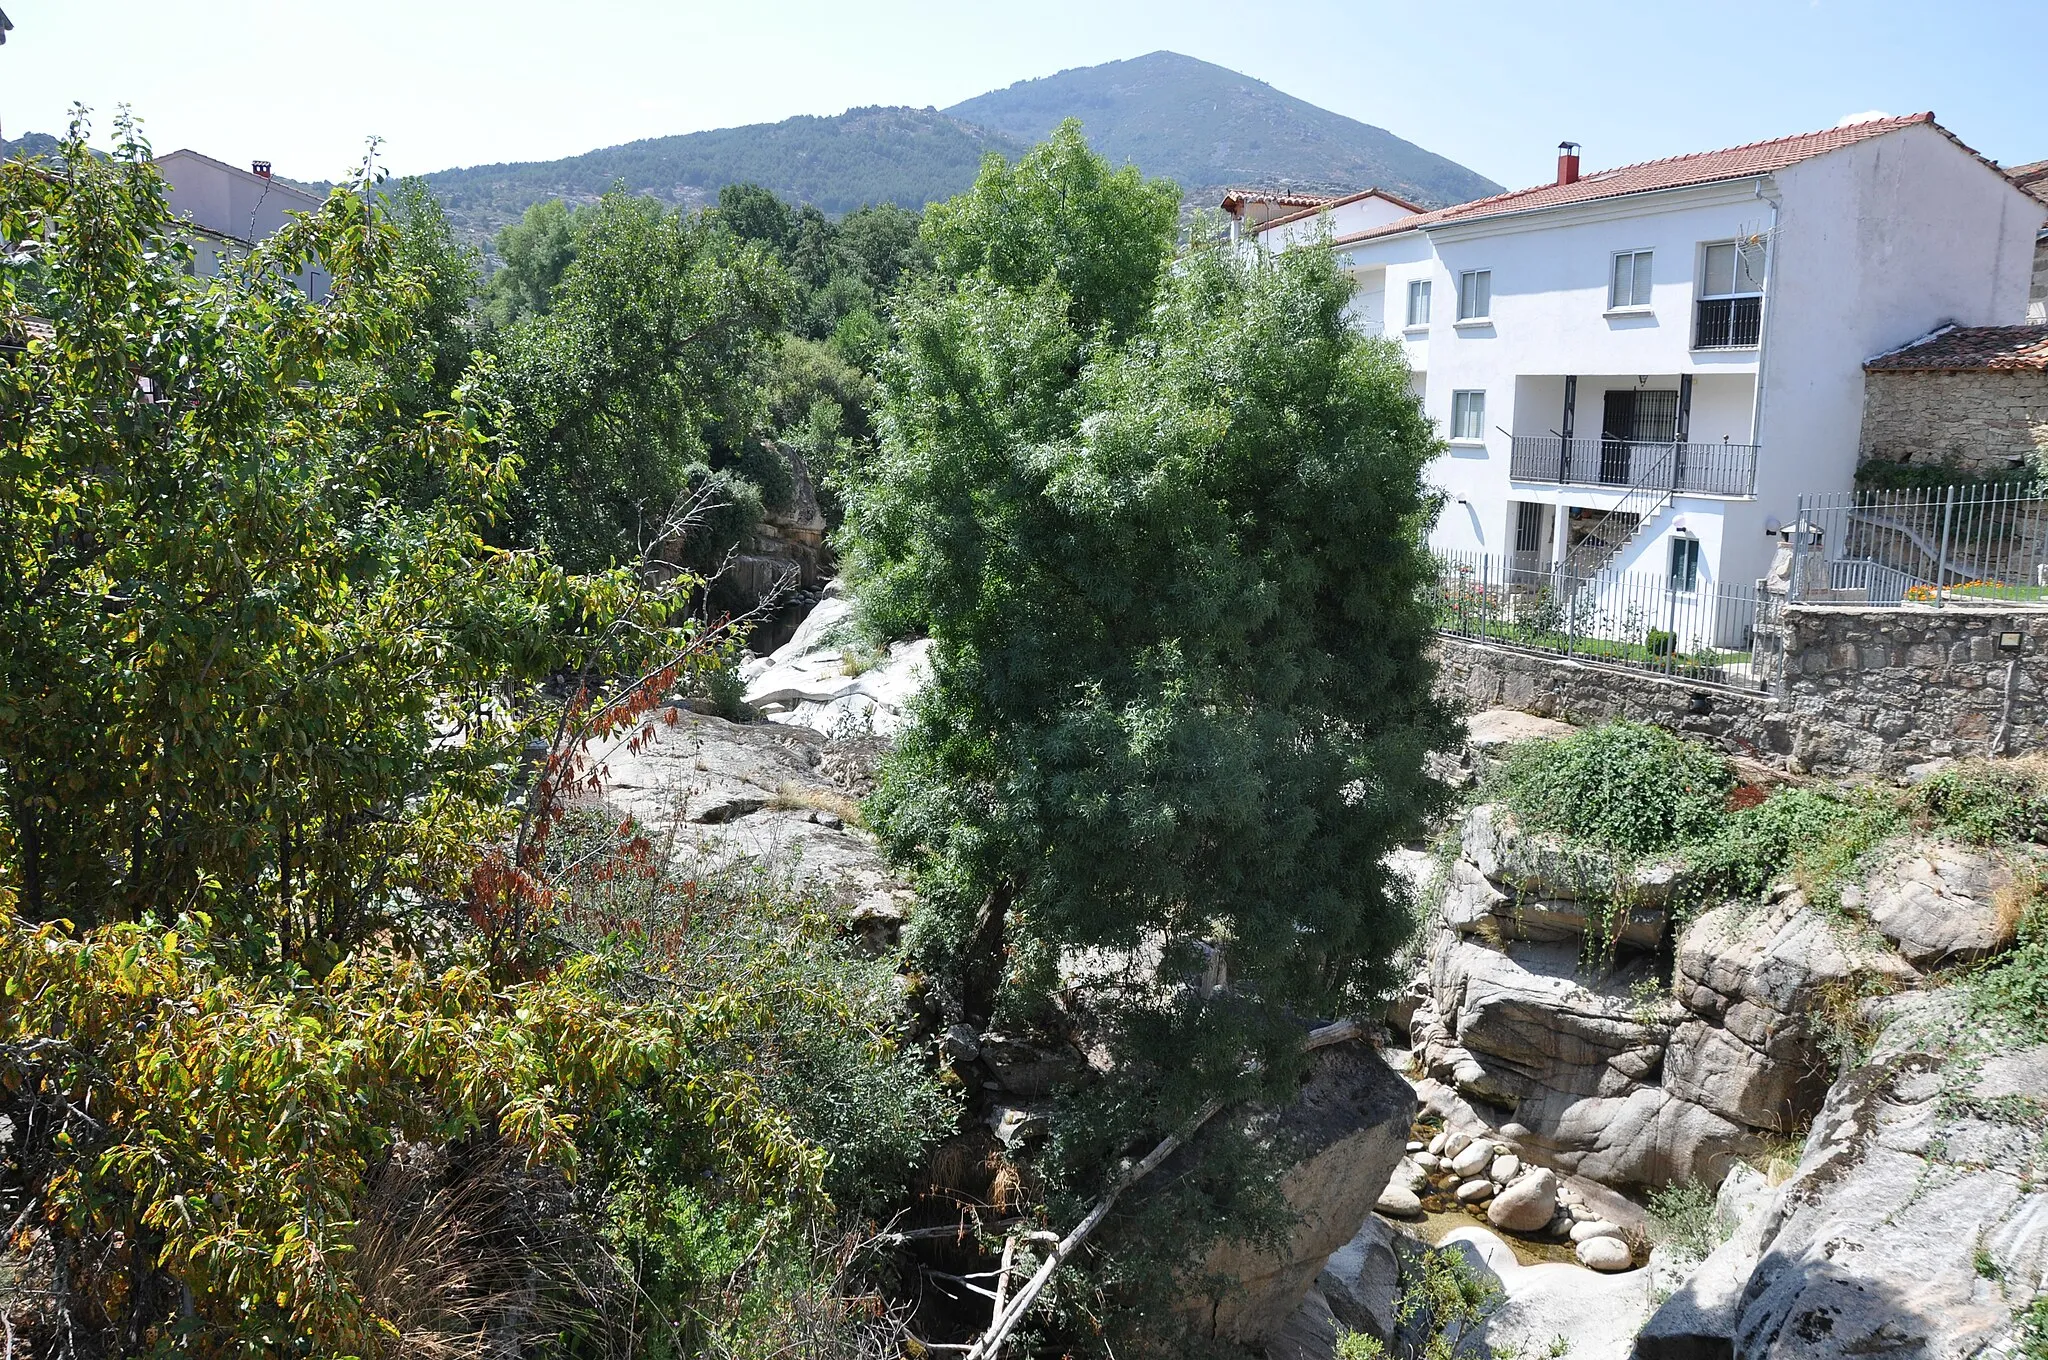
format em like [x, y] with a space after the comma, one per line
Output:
[1645, 499]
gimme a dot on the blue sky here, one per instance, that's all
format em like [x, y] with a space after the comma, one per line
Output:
[1493, 85]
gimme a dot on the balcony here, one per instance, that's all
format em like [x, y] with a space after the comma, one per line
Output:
[1694, 469]
[1727, 322]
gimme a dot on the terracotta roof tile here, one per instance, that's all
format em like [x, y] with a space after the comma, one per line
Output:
[2032, 177]
[1966, 348]
[1324, 205]
[1673, 172]
[1233, 199]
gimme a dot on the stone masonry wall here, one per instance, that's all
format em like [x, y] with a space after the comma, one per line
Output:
[1864, 690]
[1978, 422]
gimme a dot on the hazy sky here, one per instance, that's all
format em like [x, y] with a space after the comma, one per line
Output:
[1493, 85]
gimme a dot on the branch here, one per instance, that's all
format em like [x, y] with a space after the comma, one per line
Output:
[1006, 1319]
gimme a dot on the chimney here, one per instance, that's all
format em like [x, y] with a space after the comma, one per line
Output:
[263, 168]
[1567, 162]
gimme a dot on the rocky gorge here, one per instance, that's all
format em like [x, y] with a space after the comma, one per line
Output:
[1865, 1157]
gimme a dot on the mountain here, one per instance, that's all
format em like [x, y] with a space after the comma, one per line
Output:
[1211, 128]
[871, 155]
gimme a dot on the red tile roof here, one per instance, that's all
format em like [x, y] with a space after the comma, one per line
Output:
[2032, 177]
[1233, 199]
[1324, 205]
[1673, 172]
[1968, 348]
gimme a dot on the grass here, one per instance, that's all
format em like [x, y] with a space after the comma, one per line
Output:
[1981, 590]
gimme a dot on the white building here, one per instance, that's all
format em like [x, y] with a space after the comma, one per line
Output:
[231, 210]
[1642, 369]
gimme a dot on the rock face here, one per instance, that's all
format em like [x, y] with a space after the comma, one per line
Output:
[819, 679]
[1599, 1313]
[1345, 1134]
[1914, 1225]
[1939, 904]
[1612, 1078]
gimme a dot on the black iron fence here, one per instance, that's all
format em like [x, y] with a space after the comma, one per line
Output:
[1708, 634]
[1722, 469]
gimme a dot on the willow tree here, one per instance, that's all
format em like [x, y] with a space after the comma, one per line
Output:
[1161, 518]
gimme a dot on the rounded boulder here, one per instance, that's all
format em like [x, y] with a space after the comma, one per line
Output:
[1610, 1254]
[1527, 1205]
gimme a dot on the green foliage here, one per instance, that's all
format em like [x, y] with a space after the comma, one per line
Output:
[1819, 836]
[222, 1132]
[635, 388]
[1061, 220]
[2033, 1326]
[1358, 1345]
[1683, 1214]
[534, 253]
[1443, 1307]
[1988, 802]
[229, 658]
[1623, 786]
[2011, 992]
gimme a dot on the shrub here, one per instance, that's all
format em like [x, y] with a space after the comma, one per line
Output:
[1988, 802]
[1819, 836]
[2011, 993]
[1683, 1215]
[1625, 786]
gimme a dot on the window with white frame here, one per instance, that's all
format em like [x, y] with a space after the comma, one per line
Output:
[1468, 415]
[1728, 313]
[1685, 562]
[1418, 302]
[1630, 285]
[1475, 295]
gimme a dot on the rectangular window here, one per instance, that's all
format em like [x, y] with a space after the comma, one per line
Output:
[1685, 563]
[1631, 283]
[1475, 295]
[1730, 310]
[1418, 302]
[1468, 415]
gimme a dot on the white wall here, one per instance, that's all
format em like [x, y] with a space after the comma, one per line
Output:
[224, 201]
[1339, 220]
[1877, 244]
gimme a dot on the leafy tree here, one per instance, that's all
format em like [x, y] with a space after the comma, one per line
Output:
[1180, 692]
[230, 663]
[1060, 215]
[753, 213]
[437, 313]
[637, 384]
[536, 250]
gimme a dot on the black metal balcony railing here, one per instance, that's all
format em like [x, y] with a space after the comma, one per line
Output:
[1700, 469]
[1727, 323]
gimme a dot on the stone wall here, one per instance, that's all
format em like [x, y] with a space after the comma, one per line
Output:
[1977, 421]
[1864, 690]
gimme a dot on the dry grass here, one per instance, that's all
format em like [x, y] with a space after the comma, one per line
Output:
[797, 797]
[472, 1253]
[2014, 899]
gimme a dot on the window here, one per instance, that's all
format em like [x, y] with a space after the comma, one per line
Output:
[1418, 302]
[1729, 313]
[1631, 285]
[1468, 415]
[1685, 562]
[1475, 295]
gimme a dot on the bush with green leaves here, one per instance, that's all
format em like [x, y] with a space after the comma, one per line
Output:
[1988, 802]
[1683, 1215]
[1819, 836]
[2011, 991]
[1623, 786]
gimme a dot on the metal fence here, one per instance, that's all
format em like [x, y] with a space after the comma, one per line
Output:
[1712, 634]
[1938, 545]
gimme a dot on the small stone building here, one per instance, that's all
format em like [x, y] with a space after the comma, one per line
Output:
[2034, 179]
[1971, 397]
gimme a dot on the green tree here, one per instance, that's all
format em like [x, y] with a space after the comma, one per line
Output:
[1180, 690]
[754, 213]
[231, 663]
[536, 251]
[1060, 215]
[639, 382]
[438, 311]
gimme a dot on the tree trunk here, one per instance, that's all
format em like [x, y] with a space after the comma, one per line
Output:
[981, 972]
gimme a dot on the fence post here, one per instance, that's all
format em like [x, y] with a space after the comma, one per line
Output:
[1798, 550]
[1948, 501]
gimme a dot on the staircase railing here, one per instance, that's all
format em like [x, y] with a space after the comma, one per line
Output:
[1649, 492]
